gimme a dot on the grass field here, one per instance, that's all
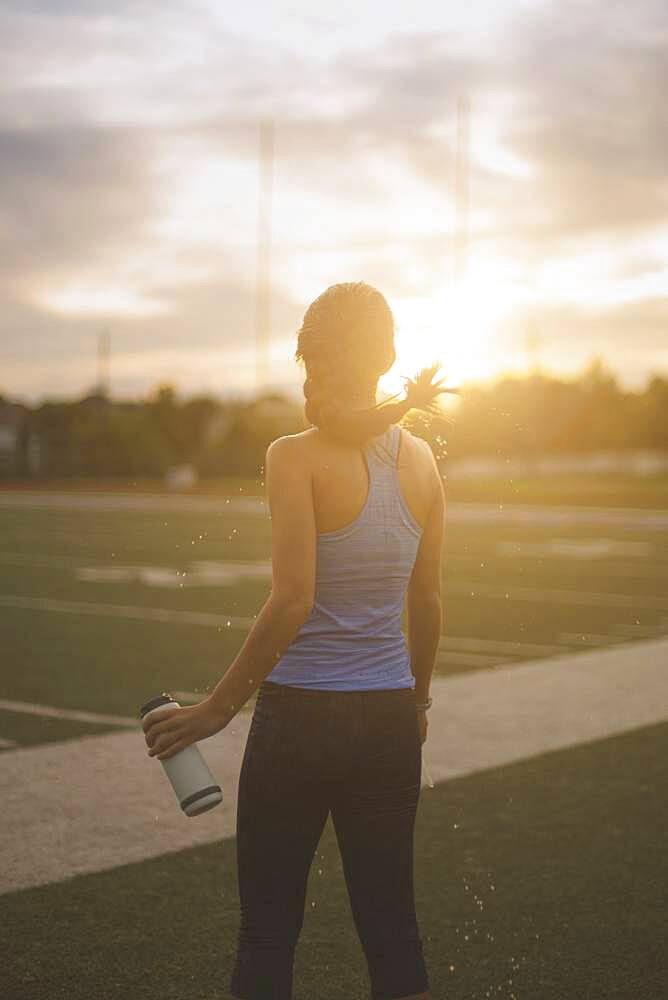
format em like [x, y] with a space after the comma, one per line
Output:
[601, 489]
[100, 609]
[544, 880]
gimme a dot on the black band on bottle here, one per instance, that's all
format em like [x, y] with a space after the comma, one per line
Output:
[161, 699]
[203, 792]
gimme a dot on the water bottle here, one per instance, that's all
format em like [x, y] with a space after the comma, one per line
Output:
[191, 779]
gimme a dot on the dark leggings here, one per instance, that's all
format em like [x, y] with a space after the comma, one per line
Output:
[357, 754]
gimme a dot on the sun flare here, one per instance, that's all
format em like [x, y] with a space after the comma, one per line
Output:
[456, 327]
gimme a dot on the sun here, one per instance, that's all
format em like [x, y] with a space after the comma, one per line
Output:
[457, 327]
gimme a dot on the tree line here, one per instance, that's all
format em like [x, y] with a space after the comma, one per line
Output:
[514, 416]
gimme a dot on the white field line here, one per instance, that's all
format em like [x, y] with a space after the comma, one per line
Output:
[251, 506]
[497, 646]
[125, 611]
[108, 804]
[622, 517]
[642, 631]
[141, 613]
[215, 573]
[589, 639]
[453, 658]
[553, 596]
[48, 711]
[5, 744]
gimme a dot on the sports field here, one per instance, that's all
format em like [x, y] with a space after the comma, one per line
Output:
[540, 878]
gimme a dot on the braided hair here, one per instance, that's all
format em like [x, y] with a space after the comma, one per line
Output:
[346, 341]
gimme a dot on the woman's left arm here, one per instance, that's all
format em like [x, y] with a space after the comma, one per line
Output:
[293, 548]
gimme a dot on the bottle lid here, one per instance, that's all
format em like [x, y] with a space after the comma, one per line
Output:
[161, 699]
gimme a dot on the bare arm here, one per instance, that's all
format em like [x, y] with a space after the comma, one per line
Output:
[293, 546]
[424, 605]
[293, 538]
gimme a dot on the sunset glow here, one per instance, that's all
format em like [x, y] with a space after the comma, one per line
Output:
[133, 175]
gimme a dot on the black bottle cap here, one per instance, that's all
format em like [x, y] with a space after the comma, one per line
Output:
[161, 699]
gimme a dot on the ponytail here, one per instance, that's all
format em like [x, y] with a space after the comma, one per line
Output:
[354, 427]
[346, 342]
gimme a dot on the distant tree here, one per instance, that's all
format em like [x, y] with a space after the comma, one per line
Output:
[653, 413]
[510, 416]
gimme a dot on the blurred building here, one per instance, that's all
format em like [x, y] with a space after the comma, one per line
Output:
[13, 422]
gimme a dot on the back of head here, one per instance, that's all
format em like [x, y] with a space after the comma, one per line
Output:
[346, 343]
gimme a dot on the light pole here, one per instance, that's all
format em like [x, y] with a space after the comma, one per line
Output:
[263, 269]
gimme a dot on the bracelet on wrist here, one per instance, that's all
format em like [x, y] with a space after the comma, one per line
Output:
[422, 706]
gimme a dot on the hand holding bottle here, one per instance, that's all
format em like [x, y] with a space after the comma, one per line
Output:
[171, 733]
[175, 728]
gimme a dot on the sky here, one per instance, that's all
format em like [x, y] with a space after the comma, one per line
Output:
[129, 138]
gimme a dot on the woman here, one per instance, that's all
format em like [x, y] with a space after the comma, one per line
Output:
[357, 514]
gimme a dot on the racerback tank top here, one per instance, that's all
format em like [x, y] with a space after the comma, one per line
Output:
[352, 639]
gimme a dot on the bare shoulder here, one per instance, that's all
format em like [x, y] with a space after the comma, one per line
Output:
[422, 462]
[418, 450]
[290, 448]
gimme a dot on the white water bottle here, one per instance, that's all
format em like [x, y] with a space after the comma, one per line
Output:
[195, 786]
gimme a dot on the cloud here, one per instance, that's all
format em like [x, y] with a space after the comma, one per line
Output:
[70, 197]
[590, 80]
[103, 117]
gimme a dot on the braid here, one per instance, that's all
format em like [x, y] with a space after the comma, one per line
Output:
[346, 342]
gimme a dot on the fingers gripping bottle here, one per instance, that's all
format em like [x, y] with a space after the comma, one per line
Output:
[195, 786]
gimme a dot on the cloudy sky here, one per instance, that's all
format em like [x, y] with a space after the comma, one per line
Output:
[129, 176]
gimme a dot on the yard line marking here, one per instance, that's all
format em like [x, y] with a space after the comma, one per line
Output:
[622, 517]
[482, 651]
[252, 506]
[589, 639]
[515, 513]
[552, 596]
[108, 804]
[451, 657]
[574, 548]
[200, 573]
[125, 611]
[48, 711]
[646, 631]
[515, 648]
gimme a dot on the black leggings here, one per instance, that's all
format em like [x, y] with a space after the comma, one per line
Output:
[357, 754]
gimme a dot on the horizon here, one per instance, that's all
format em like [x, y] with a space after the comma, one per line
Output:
[293, 391]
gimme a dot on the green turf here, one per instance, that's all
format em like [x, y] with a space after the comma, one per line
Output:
[543, 880]
[108, 665]
[103, 664]
[600, 490]
[605, 490]
[29, 730]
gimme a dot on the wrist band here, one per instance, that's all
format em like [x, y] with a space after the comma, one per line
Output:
[424, 705]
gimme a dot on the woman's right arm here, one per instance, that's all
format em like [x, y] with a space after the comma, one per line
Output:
[424, 605]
